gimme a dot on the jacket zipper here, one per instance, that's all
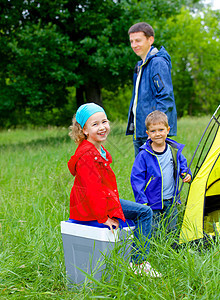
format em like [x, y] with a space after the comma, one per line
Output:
[161, 176]
[135, 116]
[174, 154]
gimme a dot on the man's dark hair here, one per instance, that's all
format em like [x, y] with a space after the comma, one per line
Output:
[142, 26]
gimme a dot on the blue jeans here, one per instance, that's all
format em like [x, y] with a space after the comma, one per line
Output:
[165, 218]
[141, 215]
[137, 144]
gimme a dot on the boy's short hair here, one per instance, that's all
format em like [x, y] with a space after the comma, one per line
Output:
[156, 117]
[142, 26]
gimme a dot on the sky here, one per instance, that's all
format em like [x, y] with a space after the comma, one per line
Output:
[215, 3]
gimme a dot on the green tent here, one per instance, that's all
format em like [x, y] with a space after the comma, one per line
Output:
[202, 213]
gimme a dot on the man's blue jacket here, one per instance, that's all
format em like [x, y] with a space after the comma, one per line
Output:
[146, 174]
[155, 92]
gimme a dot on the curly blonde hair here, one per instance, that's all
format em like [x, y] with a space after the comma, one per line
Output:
[76, 132]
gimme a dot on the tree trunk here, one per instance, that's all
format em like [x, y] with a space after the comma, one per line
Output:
[90, 92]
[93, 93]
[80, 96]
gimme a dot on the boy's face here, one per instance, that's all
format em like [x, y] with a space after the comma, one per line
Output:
[140, 43]
[158, 134]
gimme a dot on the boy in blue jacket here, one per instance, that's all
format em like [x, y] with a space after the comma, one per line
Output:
[156, 171]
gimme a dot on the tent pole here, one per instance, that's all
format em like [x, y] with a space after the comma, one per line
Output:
[213, 116]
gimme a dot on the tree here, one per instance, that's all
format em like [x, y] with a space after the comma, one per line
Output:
[194, 48]
[48, 46]
[38, 70]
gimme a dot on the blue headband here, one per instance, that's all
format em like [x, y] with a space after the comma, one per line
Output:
[85, 111]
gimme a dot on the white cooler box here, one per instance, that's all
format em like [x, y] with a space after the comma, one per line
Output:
[84, 243]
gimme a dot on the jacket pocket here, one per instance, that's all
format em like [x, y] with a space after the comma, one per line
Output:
[149, 181]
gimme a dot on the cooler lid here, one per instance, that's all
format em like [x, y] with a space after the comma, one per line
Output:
[94, 230]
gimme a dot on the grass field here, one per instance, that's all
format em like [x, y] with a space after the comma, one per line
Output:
[34, 198]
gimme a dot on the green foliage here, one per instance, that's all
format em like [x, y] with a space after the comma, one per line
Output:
[48, 46]
[193, 41]
[28, 117]
[117, 103]
[39, 67]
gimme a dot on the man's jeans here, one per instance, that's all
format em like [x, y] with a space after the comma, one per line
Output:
[141, 215]
[137, 144]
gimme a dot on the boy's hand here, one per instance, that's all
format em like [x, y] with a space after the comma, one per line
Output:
[187, 178]
[112, 222]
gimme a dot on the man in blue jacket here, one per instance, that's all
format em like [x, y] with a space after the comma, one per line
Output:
[153, 89]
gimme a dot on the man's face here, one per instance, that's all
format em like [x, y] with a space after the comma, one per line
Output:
[140, 43]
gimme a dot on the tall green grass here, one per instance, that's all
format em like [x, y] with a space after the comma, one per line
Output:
[34, 198]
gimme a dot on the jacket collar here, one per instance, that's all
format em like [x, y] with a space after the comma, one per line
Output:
[172, 143]
[86, 147]
[152, 52]
[159, 53]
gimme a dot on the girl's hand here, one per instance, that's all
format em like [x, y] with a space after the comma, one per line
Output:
[112, 222]
[187, 178]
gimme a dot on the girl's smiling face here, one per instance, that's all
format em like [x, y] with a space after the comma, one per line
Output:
[97, 129]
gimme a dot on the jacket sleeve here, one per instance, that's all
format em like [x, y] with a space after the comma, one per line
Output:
[162, 86]
[138, 179]
[90, 184]
[183, 165]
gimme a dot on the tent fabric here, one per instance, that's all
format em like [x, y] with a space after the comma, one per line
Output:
[205, 188]
[213, 184]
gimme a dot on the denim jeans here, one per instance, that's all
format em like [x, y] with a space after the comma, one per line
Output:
[141, 215]
[165, 218]
[137, 144]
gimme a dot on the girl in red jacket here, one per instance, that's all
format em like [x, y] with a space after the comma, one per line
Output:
[94, 195]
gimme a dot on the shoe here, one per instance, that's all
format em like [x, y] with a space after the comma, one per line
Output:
[144, 268]
[135, 268]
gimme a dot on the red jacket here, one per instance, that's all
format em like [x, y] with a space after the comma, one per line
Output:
[94, 195]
